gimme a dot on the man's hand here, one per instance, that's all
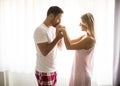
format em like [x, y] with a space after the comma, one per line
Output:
[58, 32]
[59, 29]
[59, 35]
[60, 42]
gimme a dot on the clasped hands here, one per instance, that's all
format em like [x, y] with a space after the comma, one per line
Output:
[59, 30]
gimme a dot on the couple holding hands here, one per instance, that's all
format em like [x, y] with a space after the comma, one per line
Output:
[48, 37]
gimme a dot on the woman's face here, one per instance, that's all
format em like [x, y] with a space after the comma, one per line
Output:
[83, 26]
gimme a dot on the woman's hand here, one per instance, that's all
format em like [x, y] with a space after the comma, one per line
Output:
[60, 28]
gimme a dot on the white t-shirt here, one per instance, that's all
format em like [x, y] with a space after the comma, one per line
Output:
[45, 63]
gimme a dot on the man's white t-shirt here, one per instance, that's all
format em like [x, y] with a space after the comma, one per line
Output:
[45, 63]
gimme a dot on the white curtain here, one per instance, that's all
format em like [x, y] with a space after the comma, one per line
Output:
[19, 18]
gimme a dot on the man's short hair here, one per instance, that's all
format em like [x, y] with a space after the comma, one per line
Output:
[55, 10]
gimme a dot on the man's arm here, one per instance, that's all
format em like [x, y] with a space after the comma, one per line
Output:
[46, 47]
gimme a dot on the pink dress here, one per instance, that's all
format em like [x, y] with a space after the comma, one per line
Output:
[82, 68]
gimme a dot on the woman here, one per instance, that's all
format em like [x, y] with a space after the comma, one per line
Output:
[84, 46]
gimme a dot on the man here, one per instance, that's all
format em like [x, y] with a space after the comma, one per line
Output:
[47, 38]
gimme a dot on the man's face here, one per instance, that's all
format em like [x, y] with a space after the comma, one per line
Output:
[56, 20]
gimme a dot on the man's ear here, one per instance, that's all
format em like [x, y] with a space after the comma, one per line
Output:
[51, 15]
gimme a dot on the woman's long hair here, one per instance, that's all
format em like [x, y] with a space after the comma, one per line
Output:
[88, 21]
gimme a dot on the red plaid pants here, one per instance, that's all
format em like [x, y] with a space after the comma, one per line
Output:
[46, 79]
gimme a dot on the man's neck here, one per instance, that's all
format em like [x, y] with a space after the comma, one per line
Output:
[47, 23]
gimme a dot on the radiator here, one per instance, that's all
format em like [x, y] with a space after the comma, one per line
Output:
[2, 79]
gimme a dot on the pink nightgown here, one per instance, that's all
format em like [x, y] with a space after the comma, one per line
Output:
[82, 68]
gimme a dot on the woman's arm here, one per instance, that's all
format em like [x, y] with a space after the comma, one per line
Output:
[76, 40]
[85, 43]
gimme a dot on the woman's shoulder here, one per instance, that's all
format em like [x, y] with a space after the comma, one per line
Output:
[89, 42]
[90, 38]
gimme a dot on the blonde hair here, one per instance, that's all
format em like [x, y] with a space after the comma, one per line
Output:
[88, 21]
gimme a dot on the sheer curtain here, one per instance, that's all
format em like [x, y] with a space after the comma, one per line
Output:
[116, 69]
[19, 18]
[17, 21]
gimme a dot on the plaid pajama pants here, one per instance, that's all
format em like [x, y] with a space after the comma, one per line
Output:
[46, 79]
